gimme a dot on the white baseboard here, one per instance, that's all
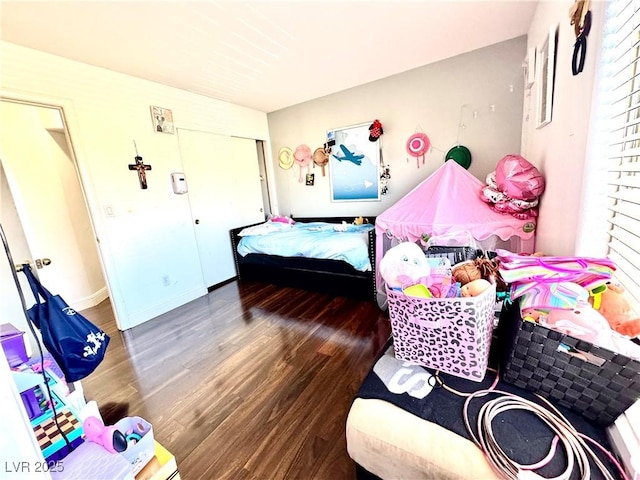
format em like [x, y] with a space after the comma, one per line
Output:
[90, 301]
[141, 316]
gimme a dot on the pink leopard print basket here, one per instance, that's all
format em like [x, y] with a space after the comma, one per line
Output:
[452, 335]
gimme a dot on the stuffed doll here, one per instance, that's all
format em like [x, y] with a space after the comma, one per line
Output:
[474, 288]
[465, 272]
[404, 265]
[616, 309]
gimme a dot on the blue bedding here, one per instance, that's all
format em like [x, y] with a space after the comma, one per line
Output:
[345, 242]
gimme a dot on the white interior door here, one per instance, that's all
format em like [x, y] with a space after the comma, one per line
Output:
[30, 150]
[224, 192]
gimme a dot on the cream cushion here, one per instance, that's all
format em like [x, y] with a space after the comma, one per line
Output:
[395, 444]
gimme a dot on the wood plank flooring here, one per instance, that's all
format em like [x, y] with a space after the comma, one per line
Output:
[251, 381]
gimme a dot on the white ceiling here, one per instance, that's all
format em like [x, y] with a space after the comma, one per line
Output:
[265, 55]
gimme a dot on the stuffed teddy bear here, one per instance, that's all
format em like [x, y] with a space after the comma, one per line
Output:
[617, 310]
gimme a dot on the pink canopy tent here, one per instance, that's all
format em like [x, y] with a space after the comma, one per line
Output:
[445, 203]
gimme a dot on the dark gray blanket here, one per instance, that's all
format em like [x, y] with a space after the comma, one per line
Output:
[521, 434]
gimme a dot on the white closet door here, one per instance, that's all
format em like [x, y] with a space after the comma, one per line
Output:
[247, 203]
[224, 192]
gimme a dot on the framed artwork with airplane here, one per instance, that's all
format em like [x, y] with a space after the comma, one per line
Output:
[354, 164]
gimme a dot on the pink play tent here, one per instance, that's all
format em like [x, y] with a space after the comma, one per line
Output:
[448, 204]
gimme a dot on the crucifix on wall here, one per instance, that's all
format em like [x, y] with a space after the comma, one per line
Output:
[142, 170]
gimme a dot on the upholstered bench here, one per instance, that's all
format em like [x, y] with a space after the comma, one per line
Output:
[404, 425]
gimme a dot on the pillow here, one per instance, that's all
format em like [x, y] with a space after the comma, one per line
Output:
[263, 228]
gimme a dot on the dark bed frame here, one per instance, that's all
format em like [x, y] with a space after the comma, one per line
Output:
[334, 277]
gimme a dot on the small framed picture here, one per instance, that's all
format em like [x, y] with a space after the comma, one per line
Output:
[162, 119]
[529, 68]
[545, 74]
[310, 179]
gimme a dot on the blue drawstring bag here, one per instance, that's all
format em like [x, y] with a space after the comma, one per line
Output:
[76, 344]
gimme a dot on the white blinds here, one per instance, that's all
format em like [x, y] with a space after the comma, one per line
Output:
[623, 163]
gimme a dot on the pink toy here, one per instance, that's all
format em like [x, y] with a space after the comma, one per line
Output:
[404, 265]
[282, 219]
[112, 439]
[583, 322]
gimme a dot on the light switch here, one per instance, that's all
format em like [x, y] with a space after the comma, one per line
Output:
[108, 211]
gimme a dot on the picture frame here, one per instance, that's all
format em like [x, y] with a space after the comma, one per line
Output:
[162, 120]
[529, 68]
[354, 164]
[545, 74]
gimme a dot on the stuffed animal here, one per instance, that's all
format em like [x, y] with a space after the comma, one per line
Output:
[616, 309]
[404, 265]
[582, 322]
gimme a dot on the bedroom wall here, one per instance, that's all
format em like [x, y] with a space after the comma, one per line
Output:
[560, 148]
[482, 90]
[151, 235]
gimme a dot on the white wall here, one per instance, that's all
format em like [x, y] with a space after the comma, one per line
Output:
[151, 235]
[430, 98]
[559, 148]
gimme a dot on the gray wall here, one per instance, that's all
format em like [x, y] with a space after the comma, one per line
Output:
[475, 97]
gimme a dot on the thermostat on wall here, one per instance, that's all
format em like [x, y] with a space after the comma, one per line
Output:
[179, 183]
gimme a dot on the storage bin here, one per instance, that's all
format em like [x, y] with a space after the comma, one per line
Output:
[13, 344]
[452, 335]
[553, 365]
[140, 445]
[454, 254]
[31, 403]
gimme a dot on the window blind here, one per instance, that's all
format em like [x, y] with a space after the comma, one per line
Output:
[622, 41]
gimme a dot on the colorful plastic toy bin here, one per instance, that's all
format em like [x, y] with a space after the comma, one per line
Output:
[13, 344]
[452, 335]
[140, 446]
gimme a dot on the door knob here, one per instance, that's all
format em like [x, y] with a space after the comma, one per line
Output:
[197, 221]
[42, 262]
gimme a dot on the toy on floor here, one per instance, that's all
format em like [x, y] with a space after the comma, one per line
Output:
[112, 439]
[614, 306]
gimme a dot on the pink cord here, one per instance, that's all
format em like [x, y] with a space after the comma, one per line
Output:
[545, 460]
[607, 453]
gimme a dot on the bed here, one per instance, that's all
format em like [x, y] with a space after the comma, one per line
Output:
[331, 276]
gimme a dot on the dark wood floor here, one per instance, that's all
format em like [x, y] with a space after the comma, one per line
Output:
[250, 381]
